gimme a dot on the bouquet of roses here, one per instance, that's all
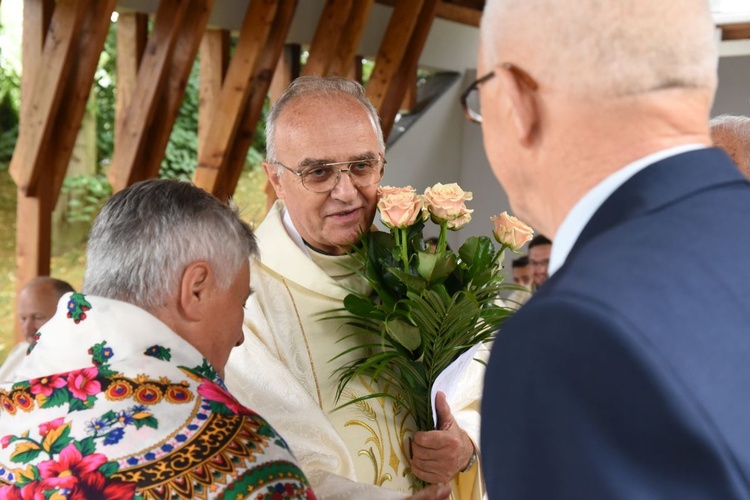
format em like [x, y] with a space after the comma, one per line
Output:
[426, 308]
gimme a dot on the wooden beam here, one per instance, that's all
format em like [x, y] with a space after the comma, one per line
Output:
[88, 48]
[735, 31]
[287, 70]
[27, 164]
[346, 49]
[189, 37]
[406, 74]
[33, 214]
[228, 177]
[214, 60]
[355, 70]
[331, 25]
[464, 14]
[409, 101]
[132, 36]
[132, 131]
[235, 91]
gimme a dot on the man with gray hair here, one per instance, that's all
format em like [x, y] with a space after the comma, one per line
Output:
[325, 158]
[732, 134]
[122, 391]
[626, 374]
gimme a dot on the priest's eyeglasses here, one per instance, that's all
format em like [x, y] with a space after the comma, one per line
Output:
[470, 97]
[323, 177]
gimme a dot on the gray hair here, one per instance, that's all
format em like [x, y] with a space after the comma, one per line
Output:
[732, 134]
[146, 235]
[317, 86]
[595, 48]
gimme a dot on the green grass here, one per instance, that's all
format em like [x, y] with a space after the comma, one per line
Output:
[70, 265]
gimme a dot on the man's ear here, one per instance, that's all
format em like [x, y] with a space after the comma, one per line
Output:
[523, 106]
[272, 173]
[194, 289]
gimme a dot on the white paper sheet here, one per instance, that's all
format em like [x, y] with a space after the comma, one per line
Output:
[448, 380]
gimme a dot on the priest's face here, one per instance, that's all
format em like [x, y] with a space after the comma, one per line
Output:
[312, 130]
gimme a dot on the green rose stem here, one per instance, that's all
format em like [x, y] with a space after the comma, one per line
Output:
[403, 241]
[442, 244]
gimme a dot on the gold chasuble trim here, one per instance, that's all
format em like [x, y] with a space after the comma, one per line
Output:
[304, 337]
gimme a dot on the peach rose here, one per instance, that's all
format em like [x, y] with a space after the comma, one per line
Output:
[446, 202]
[400, 207]
[460, 221]
[510, 231]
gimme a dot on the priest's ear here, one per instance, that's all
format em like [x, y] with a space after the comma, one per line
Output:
[272, 172]
[521, 89]
[195, 287]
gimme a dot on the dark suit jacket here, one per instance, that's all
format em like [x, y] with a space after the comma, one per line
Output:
[628, 374]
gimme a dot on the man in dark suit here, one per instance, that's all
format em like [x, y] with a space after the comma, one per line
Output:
[628, 374]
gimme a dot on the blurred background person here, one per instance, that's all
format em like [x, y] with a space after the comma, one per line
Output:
[540, 248]
[732, 134]
[36, 304]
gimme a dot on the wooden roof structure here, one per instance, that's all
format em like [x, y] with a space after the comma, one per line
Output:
[62, 42]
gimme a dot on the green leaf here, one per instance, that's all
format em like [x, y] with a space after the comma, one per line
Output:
[109, 468]
[477, 252]
[405, 334]
[58, 398]
[435, 267]
[154, 424]
[359, 305]
[61, 442]
[86, 446]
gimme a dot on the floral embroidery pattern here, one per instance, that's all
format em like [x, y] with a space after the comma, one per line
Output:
[159, 352]
[34, 341]
[77, 307]
[73, 470]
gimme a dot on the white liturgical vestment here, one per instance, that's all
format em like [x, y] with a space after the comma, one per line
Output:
[286, 372]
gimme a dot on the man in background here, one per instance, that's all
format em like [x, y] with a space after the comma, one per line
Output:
[732, 134]
[540, 248]
[521, 269]
[626, 374]
[36, 304]
[523, 276]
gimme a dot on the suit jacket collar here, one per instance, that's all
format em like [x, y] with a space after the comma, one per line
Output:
[660, 184]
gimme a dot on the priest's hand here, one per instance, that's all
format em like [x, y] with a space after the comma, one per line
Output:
[433, 492]
[437, 456]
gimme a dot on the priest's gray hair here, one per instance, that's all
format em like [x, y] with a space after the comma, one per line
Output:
[604, 48]
[317, 86]
[146, 235]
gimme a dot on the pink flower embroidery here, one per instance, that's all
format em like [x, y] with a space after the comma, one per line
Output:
[83, 383]
[71, 465]
[213, 392]
[10, 492]
[5, 441]
[46, 427]
[46, 385]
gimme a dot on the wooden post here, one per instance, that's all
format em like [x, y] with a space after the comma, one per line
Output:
[132, 35]
[214, 60]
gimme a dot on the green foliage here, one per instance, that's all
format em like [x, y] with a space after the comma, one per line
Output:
[10, 102]
[86, 195]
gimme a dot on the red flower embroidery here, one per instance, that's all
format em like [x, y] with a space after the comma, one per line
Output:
[83, 383]
[10, 492]
[46, 385]
[95, 485]
[46, 427]
[71, 466]
[213, 392]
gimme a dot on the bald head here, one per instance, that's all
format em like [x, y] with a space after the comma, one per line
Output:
[732, 134]
[37, 302]
[604, 48]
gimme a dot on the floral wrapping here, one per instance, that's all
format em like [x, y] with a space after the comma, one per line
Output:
[112, 404]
